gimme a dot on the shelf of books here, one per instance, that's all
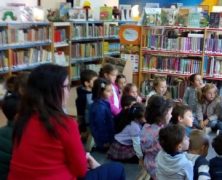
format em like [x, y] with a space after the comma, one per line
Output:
[24, 46]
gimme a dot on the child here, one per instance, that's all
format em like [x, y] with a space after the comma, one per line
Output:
[158, 114]
[109, 72]
[159, 87]
[84, 97]
[120, 82]
[127, 147]
[190, 95]
[121, 118]
[131, 90]
[100, 116]
[9, 108]
[198, 150]
[216, 162]
[182, 114]
[171, 161]
[207, 107]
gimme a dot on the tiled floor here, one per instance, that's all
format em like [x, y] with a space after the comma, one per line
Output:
[132, 170]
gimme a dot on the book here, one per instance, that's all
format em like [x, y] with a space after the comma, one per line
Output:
[151, 17]
[168, 16]
[105, 13]
[215, 20]
[182, 17]
[194, 19]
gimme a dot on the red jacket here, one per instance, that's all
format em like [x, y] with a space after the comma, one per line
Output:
[42, 157]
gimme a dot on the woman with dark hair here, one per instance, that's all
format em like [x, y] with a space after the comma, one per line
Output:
[47, 142]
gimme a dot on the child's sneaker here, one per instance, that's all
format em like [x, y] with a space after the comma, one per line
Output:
[207, 130]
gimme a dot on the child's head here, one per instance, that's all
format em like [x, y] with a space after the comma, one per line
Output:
[160, 85]
[216, 144]
[10, 106]
[182, 114]
[10, 83]
[158, 110]
[130, 90]
[196, 80]
[109, 72]
[172, 138]
[136, 112]
[102, 89]
[121, 81]
[127, 101]
[21, 82]
[87, 78]
[208, 93]
[199, 142]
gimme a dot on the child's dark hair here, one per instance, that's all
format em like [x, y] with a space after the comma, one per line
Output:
[10, 84]
[99, 87]
[216, 144]
[87, 75]
[197, 139]
[120, 76]
[10, 106]
[128, 88]
[136, 111]
[192, 78]
[106, 69]
[126, 101]
[170, 137]
[157, 109]
[179, 110]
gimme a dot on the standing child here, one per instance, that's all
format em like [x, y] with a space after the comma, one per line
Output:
[131, 90]
[100, 116]
[158, 114]
[120, 82]
[216, 162]
[127, 147]
[159, 88]
[84, 97]
[182, 114]
[190, 95]
[172, 162]
[207, 108]
[198, 150]
[109, 72]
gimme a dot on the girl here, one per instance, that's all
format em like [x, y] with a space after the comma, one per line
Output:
[100, 116]
[182, 114]
[207, 108]
[109, 72]
[159, 88]
[131, 90]
[47, 142]
[120, 82]
[127, 143]
[158, 114]
[190, 95]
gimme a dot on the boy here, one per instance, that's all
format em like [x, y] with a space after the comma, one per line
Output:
[9, 108]
[216, 162]
[84, 97]
[171, 161]
[198, 150]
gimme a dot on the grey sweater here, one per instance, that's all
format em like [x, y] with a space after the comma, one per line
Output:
[190, 98]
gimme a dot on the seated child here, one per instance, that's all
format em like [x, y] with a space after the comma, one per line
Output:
[9, 108]
[171, 160]
[198, 150]
[120, 82]
[121, 118]
[84, 97]
[182, 114]
[131, 90]
[216, 162]
[158, 114]
[190, 94]
[126, 147]
[159, 88]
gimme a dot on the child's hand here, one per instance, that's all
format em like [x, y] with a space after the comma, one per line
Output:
[92, 163]
[141, 162]
[202, 125]
[206, 121]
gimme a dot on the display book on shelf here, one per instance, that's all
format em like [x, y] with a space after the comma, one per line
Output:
[24, 45]
[91, 41]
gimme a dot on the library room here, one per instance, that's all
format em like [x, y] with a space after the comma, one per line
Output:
[110, 90]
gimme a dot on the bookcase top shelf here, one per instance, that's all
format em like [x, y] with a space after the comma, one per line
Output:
[28, 23]
[29, 44]
[81, 39]
[165, 73]
[85, 59]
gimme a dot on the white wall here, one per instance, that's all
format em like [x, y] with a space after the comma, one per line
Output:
[27, 2]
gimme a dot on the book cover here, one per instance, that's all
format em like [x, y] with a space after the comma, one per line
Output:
[194, 19]
[182, 17]
[106, 13]
[168, 16]
[152, 17]
[214, 21]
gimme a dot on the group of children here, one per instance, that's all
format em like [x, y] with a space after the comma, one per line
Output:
[156, 134]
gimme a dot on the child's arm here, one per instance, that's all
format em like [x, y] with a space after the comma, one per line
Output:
[186, 95]
[137, 147]
[199, 114]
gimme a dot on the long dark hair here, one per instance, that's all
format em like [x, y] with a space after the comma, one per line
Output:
[99, 87]
[43, 96]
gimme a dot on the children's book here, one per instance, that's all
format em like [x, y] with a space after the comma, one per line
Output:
[152, 17]
[182, 18]
[106, 13]
[168, 16]
[215, 20]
